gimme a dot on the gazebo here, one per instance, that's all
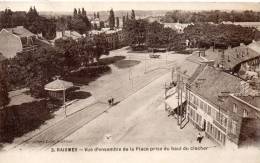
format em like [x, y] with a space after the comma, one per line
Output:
[57, 89]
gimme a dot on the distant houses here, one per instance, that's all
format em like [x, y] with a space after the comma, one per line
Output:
[15, 40]
[245, 24]
[19, 40]
[114, 38]
[67, 34]
[178, 27]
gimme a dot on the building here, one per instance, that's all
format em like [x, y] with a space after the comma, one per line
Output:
[205, 96]
[15, 40]
[178, 27]
[243, 120]
[95, 23]
[114, 38]
[238, 60]
[68, 34]
[245, 24]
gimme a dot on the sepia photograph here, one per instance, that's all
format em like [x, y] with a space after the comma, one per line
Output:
[130, 79]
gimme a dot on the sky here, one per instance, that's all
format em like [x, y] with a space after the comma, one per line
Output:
[99, 5]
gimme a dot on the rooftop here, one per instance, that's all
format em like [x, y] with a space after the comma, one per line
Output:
[231, 57]
[20, 31]
[211, 83]
[58, 85]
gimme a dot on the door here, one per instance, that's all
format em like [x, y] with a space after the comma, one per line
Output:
[204, 125]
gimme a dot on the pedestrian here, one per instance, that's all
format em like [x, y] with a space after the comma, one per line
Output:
[112, 101]
[109, 101]
[199, 138]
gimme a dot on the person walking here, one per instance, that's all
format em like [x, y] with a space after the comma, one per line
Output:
[109, 102]
[199, 138]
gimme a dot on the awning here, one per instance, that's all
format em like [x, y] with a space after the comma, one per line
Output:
[58, 85]
[172, 101]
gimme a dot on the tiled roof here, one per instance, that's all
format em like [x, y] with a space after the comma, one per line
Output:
[212, 83]
[20, 31]
[232, 56]
[58, 85]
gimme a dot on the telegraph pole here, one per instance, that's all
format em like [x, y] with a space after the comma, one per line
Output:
[178, 91]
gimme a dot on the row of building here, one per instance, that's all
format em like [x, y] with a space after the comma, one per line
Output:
[114, 38]
[219, 99]
[19, 39]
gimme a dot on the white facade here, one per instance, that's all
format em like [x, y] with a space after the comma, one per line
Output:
[208, 118]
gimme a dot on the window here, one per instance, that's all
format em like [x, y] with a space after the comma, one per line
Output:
[196, 100]
[205, 107]
[235, 108]
[201, 105]
[198, 119]
[245, 113]
[233, 127]
[209, 110]
[191, 98]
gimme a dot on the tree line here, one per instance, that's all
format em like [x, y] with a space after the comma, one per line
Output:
[30, 20]
[215, 16]
[34, 69]
[201, 35]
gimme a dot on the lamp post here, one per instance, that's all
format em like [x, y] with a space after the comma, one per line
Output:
[64, 101]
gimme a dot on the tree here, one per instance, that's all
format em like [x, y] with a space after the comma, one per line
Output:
[136, 32]
[79, 25]
[38, 24]
[111, 19]
[6, 19]
[98, 15]
[127, 18]
[117, 22]
[79, 12]
[124, 20]
[95, 15]
[83, 13]
[4, 99]
[34, 69]
[102, 24]
[95, 26]
[75, 12]
[133, 15]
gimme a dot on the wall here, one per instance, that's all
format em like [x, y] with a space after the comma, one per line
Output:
[9, 44]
